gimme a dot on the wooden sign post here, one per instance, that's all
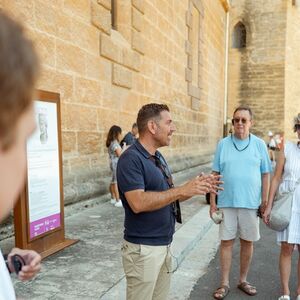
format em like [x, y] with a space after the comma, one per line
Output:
[39, 214]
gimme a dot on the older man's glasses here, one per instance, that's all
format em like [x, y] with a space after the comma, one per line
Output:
[167, 175]
[238, 120]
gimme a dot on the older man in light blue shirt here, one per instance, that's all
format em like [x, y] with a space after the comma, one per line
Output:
[242, 160]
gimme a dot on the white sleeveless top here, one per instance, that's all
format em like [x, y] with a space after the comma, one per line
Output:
[290, 175]
[6, 288]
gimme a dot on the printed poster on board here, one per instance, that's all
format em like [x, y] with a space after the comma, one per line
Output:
[43, 171]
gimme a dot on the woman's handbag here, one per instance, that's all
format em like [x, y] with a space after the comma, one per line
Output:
[281, 212]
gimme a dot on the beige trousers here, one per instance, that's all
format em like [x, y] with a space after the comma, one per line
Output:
[148, 271]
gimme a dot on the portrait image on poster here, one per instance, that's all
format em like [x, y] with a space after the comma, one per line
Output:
[43, 171]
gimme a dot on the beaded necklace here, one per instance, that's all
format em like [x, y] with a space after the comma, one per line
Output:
[235, 146]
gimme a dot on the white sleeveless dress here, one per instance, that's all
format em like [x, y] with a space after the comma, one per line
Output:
[6, 288]
[291, 174]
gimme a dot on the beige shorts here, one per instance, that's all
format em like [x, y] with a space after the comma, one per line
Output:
[239, 222]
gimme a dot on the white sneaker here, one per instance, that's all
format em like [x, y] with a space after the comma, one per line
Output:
[284, 297]
[113, 201]
[119, 204]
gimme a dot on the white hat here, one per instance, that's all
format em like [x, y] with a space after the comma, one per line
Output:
[270, 133]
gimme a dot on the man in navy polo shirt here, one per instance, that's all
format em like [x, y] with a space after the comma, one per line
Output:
[130, 136]
[150, 203]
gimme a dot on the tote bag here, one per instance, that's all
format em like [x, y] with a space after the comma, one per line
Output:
[281, 212]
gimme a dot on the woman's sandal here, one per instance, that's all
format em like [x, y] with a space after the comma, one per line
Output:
[285, 297]
[247, 288]
[221, 292]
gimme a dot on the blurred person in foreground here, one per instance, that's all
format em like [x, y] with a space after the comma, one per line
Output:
[151, 204]
[243, 161]
[18, 72]
[285, 178]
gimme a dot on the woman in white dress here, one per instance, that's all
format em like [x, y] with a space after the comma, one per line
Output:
[286, 174]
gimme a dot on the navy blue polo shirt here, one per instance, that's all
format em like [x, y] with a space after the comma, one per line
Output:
[136, 171]
[129, 139]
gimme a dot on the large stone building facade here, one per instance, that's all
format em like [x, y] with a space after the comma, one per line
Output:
[264, 62]
[108, 58]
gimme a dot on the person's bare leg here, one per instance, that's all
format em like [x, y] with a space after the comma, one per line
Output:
[111, 191]
[225, 260]
[116, 192]
[285, 266]
[226, 257]
[246, 252]
[298, 273]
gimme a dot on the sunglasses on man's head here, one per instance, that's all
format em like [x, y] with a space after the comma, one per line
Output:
[297, 127]
[238, 120]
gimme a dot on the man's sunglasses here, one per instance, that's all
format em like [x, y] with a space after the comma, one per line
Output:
[166, 172]
[297, 127]
[238, 120]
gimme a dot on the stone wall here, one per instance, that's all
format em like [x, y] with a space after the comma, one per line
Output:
[257, 72]
[105, 75]
[292, 68]
[265, 74]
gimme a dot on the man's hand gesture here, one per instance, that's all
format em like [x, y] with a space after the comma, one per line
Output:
[201, 185]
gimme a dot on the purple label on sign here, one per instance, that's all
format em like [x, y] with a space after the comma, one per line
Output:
[43, 225]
